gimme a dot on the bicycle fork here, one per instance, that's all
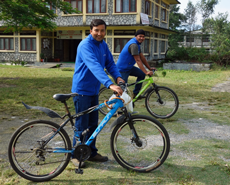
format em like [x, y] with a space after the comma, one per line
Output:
[135, 137]
[155, 87]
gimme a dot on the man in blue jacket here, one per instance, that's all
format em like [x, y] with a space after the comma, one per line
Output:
[93, 56]
[130, 55]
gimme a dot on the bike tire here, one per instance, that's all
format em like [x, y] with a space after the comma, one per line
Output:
[104, 94]
[29, 160]
[167, 107]
[154, 149]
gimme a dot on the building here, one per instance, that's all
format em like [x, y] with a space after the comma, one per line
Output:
[196, 39]
[123, 17]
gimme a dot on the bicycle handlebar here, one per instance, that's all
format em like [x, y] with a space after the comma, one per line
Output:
[122, 85]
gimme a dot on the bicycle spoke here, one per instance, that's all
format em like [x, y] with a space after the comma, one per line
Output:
[162, 104]
[31, 159]
[145, 153]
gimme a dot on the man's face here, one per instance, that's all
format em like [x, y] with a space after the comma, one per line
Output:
[140, 38]
[98, 32]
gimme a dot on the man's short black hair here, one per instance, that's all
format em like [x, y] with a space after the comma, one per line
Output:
[97, 22]
[142, 32]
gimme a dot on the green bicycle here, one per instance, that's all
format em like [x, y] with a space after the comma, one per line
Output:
[161, 102]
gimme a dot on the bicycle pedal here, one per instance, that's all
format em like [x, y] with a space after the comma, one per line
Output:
[78, 171]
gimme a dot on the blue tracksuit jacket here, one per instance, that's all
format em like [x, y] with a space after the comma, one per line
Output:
[92, 57]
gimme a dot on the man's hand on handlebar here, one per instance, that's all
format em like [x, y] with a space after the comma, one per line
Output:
[151, 72]
[153, 69]
[119, 79]
[116, 89]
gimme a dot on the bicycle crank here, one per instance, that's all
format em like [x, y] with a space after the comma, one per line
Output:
[82, 152]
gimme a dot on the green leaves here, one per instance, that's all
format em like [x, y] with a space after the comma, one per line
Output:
[40, 14]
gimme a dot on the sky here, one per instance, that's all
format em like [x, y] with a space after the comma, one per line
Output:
[221, 7]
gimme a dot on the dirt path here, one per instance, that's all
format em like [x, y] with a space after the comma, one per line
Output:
[222, 87]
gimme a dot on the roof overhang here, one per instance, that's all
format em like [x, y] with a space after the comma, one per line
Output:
[172, 1]
[150, 27]
[165, 30]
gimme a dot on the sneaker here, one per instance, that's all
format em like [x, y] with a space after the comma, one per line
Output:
[76, 163]
[98, 158]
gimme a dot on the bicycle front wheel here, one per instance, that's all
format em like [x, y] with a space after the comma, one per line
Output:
[144, 154]
[33, 161]
[162, 104]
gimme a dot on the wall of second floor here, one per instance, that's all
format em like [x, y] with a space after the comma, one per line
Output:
[116, 12]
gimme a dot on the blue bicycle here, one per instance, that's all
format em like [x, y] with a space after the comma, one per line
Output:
[40, 150]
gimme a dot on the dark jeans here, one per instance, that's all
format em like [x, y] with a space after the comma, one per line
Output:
[89, 121]
[134, 72]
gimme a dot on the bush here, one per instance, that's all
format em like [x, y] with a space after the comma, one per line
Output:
[189, 54]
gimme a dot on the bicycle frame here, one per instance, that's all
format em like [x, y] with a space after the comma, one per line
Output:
[117, 104]
[149, 82]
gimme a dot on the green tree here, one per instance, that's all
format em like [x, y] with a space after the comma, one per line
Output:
[18, 14]
[190, 14]
[220, 28]
[206, 9]
[176, 21]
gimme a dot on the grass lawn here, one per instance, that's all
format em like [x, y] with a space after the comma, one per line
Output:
[192, 159]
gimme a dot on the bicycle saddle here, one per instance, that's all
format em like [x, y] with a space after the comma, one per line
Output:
[64, 97]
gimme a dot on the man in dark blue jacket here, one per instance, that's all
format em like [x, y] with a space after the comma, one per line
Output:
[93, 56]
[130, 55]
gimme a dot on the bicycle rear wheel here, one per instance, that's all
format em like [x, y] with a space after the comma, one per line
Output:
[163, 106]
[30, 159]
[146, 154]
[104, 94]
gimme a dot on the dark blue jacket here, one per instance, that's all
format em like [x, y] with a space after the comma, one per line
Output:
[92, 57]
[126, 61]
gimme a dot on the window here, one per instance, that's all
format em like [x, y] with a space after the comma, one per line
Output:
[146, 46]
[164, 14]
[8, 33]
[156, 35]
[28, 44]
[125, 6]
[155, 46]
[157, 12]
[162, 46]
[147, 7]
[147, 34]
[6, 44]
[205, 39]
[189, 39]
[96, 6]
[51, 7]
[28, 33]
[124, 32]
[119, 44]
[87, 32]
[76, 4]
